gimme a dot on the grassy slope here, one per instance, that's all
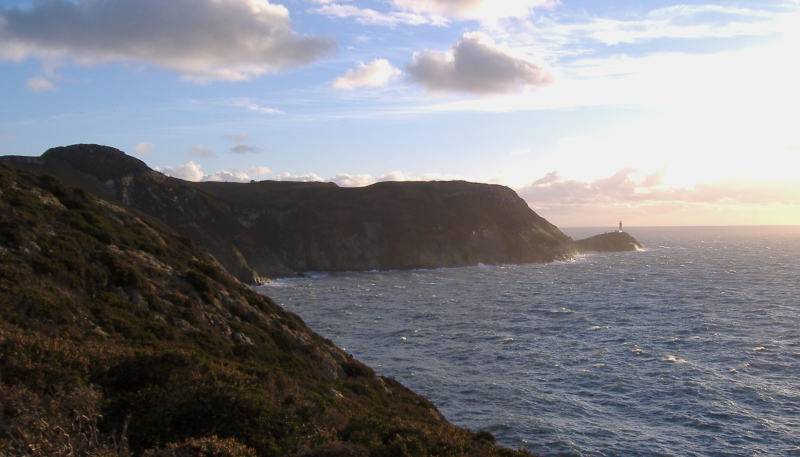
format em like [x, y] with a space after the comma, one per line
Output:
[118, 339]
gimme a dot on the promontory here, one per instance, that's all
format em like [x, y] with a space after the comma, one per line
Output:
[268, 228]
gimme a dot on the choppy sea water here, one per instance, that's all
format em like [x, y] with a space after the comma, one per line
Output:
[689, 348]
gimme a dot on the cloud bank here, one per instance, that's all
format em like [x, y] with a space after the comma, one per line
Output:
[203, 40]
[478, 66]
[193, 172]
[734, 201]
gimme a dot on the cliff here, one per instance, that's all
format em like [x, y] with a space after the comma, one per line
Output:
[272, 228]
[118, 338]
[609, 242]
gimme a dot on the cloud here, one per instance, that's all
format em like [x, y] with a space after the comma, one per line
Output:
[368, 16]
[679, 21]
[310, 177]
[622, 188]
[250, 106]
[143, 149]
[394, 176]
[239, 137]
[481, 10]
[345, 180]
[377, 73]
[476, 65]
[244, 149]
[258, 172]
[188, 172]
[197, 150]
[192, 172]
[40, 84]
[655, 179]
[228, 176]
[203, 40]
[602, 202]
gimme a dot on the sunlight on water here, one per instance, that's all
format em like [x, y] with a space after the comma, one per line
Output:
[691, 347]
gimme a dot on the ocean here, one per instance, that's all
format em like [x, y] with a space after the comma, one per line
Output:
[688, 348]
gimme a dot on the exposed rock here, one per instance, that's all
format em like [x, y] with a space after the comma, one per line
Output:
[333, 393]
[609, 242]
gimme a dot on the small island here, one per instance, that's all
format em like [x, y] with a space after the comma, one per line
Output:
[616, 241]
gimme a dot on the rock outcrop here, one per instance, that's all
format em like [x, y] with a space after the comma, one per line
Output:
[609, 242]
[268, 228]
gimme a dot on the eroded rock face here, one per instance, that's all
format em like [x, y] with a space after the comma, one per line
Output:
[609, 242]
[268, 228]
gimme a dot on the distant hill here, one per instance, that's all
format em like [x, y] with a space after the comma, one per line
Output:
[118, 338]
[270, 228]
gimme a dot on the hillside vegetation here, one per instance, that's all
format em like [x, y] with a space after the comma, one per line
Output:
[118, 338]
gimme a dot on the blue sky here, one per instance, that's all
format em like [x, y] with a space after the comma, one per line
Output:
[653, 112]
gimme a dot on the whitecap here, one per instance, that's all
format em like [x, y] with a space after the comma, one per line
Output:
[561, 311]
[672, 359]
[759, 348]
[316, 274]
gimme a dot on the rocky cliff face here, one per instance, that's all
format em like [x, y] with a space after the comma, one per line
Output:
[280, 228]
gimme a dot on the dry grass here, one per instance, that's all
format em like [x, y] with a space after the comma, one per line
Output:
[62, 424]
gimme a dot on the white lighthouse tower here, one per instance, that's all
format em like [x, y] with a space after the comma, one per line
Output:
[620, 226]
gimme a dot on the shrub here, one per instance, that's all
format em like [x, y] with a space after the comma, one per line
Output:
[211, 446]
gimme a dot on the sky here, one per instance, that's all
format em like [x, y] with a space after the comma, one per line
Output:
[653, 112]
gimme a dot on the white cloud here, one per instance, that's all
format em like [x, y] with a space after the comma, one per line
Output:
[473, 9]
[143, 149]
[188, 172]
[40, 84]
[197, 150]
[394, 176]
[345, 180]
[250, 106]
[228, 176]
[476, 65]
[310, 177]
[368, 16]
[192, 172]
[258, 172]
[203, 40]
[377, 73]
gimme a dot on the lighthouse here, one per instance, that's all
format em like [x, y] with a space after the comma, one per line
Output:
[620, 226]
